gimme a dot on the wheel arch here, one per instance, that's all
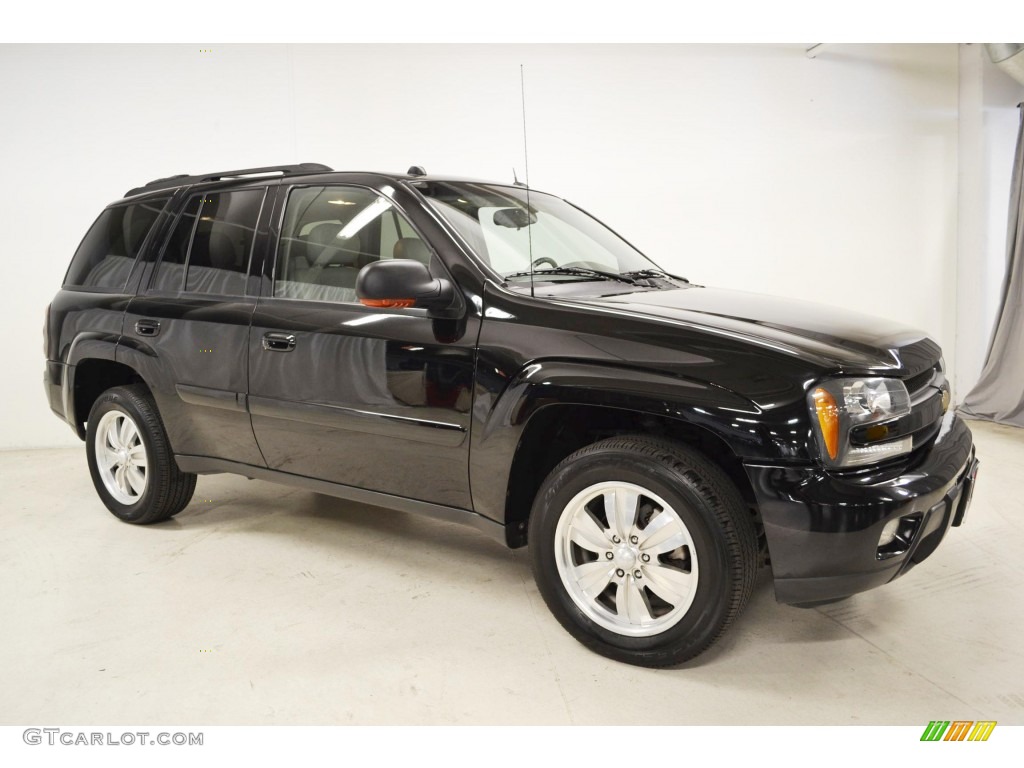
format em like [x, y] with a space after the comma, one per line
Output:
[558, 430]
[553, 409]
[87, 380]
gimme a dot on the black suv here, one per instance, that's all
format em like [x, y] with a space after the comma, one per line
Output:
[491, 354]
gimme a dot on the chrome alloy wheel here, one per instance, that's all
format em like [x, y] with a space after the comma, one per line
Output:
[626, 559]
[121, 457]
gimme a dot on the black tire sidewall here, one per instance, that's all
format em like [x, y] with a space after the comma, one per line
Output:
[118, 400]
[710, 608]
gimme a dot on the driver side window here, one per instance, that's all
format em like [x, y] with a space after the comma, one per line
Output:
[330, 233]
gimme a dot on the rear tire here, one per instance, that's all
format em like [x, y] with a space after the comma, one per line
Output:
[130, 458]
[643, 549]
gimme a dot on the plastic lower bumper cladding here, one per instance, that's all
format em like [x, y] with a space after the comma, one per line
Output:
[823, 528]
[53, 383]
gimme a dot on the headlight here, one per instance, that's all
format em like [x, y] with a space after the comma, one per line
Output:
[854, 420]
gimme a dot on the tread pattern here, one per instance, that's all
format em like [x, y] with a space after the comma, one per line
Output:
[726, 505]
[169, 490]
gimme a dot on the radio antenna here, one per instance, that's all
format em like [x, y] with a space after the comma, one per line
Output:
[526, 161]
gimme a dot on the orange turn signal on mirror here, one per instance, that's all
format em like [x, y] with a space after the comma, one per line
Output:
[388, 303]
[828, 419]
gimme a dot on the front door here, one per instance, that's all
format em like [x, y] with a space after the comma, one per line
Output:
[376, 399]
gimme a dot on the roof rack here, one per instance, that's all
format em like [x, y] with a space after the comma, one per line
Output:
[183, 179]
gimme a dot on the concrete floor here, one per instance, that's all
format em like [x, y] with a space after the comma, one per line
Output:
[264, 605]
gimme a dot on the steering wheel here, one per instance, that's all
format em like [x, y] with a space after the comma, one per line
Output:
[543, 260]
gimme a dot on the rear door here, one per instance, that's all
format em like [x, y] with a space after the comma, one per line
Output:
[377, 399]
[190, 323]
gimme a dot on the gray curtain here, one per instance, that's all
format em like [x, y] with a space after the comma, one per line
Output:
[999, 393]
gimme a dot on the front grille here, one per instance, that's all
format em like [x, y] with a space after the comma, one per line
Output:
[926, 399]
[919, 381]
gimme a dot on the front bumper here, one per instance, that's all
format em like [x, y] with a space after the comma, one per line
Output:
[823, 527]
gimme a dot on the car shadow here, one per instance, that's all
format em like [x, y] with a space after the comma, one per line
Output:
[254, 507]
[232, 505]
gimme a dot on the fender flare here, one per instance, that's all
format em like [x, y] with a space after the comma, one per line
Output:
[108, 347]
[544, 384]
[89, 345]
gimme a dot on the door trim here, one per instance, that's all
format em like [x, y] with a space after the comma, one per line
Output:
[357, 420]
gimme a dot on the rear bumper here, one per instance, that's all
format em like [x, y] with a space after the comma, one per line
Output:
[53, 383]
[823, 528]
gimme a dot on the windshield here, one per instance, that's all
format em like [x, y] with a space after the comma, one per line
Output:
[548, 235]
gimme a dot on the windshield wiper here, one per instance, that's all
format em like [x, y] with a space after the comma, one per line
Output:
[654, 273]
[582, 271]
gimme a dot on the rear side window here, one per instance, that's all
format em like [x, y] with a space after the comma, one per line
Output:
[209, 248]
[170, 272]
[104, 259]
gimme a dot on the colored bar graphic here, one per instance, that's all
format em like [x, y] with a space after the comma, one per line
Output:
[958, 730]
[934, 730]
[982, 730]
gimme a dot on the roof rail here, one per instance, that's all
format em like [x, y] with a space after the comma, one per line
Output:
[183, 179]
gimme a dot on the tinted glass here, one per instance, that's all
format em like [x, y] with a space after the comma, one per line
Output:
[514, 234]
[211, 241]
[219, 257]
[105, 257]
[170, 272]
[331, 233]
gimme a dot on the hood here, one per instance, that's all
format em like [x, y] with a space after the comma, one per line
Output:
[828, 336]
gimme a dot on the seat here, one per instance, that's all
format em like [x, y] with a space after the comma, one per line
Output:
[222, 254]
[215, 265]
[415, 249]
[333, 262]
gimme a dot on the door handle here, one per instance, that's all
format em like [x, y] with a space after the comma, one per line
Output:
[278, 342]
[147, 327]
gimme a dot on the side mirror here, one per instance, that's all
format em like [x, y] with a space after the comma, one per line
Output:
[399, 283]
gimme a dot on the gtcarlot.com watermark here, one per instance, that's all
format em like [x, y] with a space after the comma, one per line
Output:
[59, 736]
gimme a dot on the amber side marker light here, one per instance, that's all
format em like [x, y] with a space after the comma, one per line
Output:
[876, 433]
[388, 303]
[828, 419]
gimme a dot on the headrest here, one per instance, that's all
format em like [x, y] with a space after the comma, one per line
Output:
[412, 248]
[325, 234]
[325, 248]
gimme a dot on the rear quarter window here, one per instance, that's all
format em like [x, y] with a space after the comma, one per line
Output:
[105, 257]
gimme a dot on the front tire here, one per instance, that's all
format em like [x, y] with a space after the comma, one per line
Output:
[130, 458]
[643, 549]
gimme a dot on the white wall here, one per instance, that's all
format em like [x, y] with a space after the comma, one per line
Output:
[988, 133]
[747, 166]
